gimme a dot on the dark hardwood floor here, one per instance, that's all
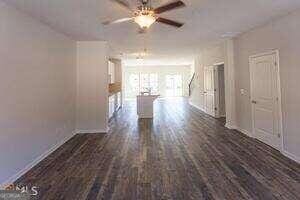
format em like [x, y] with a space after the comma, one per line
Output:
[181, 154]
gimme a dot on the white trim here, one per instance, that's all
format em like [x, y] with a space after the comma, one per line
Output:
[217, 91]
[93, 131]
[244, 131]
[36, 161]
[272, 51]
[291, 156]
[218, 64]
[194, 105]
[276, 52]
[279, 100]
[229, 126]
[283, 152]
[229, 76]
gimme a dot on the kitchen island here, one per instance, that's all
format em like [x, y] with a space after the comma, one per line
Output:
[145, 105]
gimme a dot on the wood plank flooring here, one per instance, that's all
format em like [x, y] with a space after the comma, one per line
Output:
[181, 154]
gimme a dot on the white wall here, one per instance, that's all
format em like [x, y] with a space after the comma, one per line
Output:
[284, 35]
[37, 90]
[92, 87]
[118, 75]
[221, 53]
[207, 57]
[111, 72]
[118, 69]
[197, 95]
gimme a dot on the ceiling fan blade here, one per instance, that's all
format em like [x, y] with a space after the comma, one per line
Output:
[170, 6]
[169, 22]
[123, 4]
[117, 21]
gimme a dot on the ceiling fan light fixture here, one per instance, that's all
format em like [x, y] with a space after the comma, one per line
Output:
[145, 21]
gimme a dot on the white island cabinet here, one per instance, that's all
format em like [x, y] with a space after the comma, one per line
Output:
[145, 105]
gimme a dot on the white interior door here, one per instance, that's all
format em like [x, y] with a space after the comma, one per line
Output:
[265, 98]
[209, 91]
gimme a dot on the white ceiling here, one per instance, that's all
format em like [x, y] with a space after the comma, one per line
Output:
[206, 21]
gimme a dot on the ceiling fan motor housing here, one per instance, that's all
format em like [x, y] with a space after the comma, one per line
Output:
[144, 2]
[144, 10]
[145, 15]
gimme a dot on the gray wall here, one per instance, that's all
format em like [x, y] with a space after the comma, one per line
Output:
[37, 89]
[282, 34]
[92, 87]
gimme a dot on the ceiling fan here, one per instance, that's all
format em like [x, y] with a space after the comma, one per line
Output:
[145, 15]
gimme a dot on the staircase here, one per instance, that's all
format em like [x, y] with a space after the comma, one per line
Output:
[191, 85]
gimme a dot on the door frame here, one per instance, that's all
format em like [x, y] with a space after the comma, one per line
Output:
[217, 89]
[276, 52]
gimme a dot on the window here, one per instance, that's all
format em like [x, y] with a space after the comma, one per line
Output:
[144, 82]
[134, 82]
[149, 81]
[173, 85]
[153, 83]
[141, 82]
[133, 88]
[166, 83]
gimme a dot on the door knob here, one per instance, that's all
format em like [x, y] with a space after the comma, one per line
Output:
[254, 102]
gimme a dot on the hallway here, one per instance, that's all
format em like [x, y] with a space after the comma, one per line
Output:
[181, 154]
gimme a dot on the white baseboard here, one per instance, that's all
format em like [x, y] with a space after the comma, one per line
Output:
[199, 108]
[93, 131]
[283, 152]
[291, 156]
[13, 178]
[230, 126]
[245, 132]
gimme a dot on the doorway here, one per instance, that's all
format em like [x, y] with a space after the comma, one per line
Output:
[220, 91]
[214, 91]
[266, 98]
